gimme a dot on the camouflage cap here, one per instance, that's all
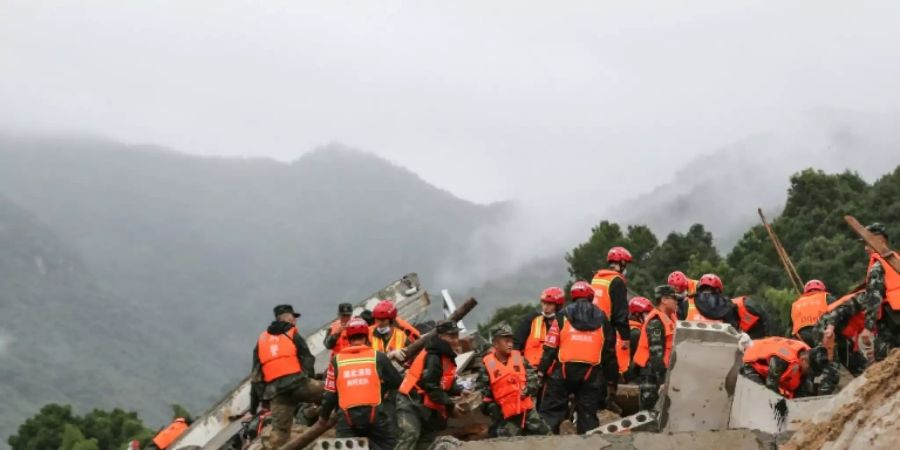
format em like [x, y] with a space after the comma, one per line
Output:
[664, 291]
[446, 327]
[877, 228]
[502, 330]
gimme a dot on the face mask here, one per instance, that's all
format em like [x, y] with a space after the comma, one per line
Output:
[383, 330]
[549, 316]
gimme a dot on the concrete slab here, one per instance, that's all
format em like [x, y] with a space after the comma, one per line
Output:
[758, 408]
[539, 443]
[702, 440]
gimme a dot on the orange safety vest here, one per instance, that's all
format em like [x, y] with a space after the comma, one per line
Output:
[856, 323]
[807, 310]
[508, 383]
[580, 346]
[623, 355]
[758, 355]
[356, 377]
[278, 355]
[602, 279]
[396, 341]
[342, 341]
[891, 281]
[414, 374]
[169, 434]
[694, 314]
[534, 345]
[747, 319]
[408, 329]
[692, 287]
[642, 355]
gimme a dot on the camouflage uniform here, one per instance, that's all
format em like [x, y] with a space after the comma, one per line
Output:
[532, 423]
[652, 376]
[845, 354]
[888, 326]
[819, 365]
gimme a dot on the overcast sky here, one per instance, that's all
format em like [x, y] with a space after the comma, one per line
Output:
[490, 100]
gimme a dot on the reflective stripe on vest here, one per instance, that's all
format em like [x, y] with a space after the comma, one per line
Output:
[508, 383]
[278, 355]
[396, 341]
[580, 346]
[169, 434]
[856, 323]
[534, 345]
[807, 310]
[694, 314]
[642, 354]
[891, 281]
[788, 350]
[414, 374]
[748, 320]
[356, 377]
[602, 279]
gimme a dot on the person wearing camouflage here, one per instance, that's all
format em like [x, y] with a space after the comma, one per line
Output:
[840, 327]
[881, 298]
[789, 367]
[655, 345]
[508, 385]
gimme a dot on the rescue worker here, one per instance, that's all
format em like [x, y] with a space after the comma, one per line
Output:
[286, 367]
[807, 310]
[532, 332]
[336, 339]
[686, 289]
[424, 402]
[168, 435]
[881, 300]
[788, 367]
[638, 308]
[579, 355]
[654, 349]
[839, 329]
[742, 313]
[508, 384]
[357, 382]
[611, 296]
[387, 334]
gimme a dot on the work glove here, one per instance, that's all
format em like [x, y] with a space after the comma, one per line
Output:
[398, 355]
[866, 342]
[744, 342]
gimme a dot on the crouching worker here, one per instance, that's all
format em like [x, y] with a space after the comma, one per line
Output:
[508, 384]
[654, 349]
[357, 382]
[788, 367]
[424, 401]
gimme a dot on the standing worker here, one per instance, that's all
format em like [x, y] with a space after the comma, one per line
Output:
[686, 288]
[788, 367]
[336, 339]
[168, 435]
[839, 329]
[638, 309]
[611, 296]
[579, 354]
[742, 313]
[387, 335]
[654, 350]
[532, 332]
[357, 382]
[881, 300]
[287, 368]
[424, 402]
[807, 310]
[508, 384]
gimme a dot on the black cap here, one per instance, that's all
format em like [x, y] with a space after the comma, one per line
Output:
[284, 309]
[664, 291]
[446, 327]
[877, 228]
[345, 309]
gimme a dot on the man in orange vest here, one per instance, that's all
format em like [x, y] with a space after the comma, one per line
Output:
[281, 359]
[168, 435]
[336, 339]
[638, 308]
[686, 288]
[388, 334]
[532, 332]
[788, 367]
[357, 383]
[840, 327]
[610, 293]
[807, 310]
[742, 313]
[881, 299]
[424, 401]
[579, 356]
[508, 385]
[654, 349]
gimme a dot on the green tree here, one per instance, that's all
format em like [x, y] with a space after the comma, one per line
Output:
[45, 429]
[180, 411]
[55, 427]
[512, 315]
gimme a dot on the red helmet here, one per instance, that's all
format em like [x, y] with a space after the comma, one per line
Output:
[712, 280]
[678, 281]
[357, 326]
[581, 289]
[639, 305]
[553, 295]
[618, 255]
[385, 309]
[813, 285]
